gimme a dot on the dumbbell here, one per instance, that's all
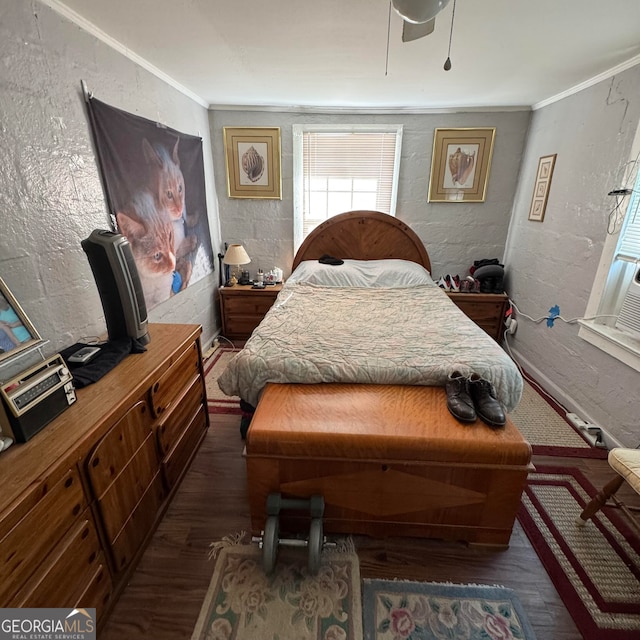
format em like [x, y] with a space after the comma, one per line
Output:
[270, 540]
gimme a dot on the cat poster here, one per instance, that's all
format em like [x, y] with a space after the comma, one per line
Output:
[153, 178]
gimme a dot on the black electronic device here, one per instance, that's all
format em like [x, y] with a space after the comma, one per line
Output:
[84, 355]
[35, 397]
[118, 282]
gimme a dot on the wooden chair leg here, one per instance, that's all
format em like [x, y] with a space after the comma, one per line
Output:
[600, 500]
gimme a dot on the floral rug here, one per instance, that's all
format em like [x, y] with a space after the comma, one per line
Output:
[243, 603]
[402, 610]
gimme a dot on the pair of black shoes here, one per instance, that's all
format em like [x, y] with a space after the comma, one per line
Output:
[471, 397]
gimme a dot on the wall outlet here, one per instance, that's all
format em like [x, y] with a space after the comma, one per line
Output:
[512, 325]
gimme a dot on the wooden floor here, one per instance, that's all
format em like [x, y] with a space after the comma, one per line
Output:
[164, 596]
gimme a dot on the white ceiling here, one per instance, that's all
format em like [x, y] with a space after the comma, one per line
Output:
[333, 53]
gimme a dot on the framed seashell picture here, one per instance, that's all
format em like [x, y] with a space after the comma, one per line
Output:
[253, 162]
[460, 164]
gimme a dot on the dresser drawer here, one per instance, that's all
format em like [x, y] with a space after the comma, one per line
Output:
[124, 493]
[170, 385]
[173, 424]
[175, 463]
[249, 305]
[113, 453]
[24, 547]
[485, 309]
[139, 524]
[62, 577]
[98, 592]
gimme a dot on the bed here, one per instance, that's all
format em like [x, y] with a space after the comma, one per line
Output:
[377, 319]
[348, 381]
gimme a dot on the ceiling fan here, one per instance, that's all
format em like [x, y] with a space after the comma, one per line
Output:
[419, 16]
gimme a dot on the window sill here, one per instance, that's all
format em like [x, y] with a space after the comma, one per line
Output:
[617, 344]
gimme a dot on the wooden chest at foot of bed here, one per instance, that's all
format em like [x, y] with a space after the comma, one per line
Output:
[388, 459]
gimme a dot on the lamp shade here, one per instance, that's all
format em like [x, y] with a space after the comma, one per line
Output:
[419, 11]
[236, 254]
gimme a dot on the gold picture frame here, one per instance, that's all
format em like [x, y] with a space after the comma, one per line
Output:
[460, 164]
[16, 331]
[541, 188]
[253, 162]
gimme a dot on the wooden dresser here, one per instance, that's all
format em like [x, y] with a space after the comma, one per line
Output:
[81, 499]
[485, 309]
[242, 308]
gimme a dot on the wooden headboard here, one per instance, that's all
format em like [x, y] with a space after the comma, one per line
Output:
[363, 235]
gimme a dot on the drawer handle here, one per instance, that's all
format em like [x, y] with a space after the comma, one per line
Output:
[96, 462]
[68, 482]
[385, 467]
[76, 510]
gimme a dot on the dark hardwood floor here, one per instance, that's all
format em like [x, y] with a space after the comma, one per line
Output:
[164, 595]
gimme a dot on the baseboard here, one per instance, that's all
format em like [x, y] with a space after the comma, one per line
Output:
[561, 397]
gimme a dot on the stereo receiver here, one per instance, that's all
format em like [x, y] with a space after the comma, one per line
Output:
[35, 397]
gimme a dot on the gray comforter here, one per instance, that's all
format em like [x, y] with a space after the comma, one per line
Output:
[411, 336]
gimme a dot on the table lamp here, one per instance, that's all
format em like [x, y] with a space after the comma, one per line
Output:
[235, 255]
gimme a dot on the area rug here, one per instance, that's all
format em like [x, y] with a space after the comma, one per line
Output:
[243, 603]
[543, 426]
[595, 568]
[395, 610]
[217, 401]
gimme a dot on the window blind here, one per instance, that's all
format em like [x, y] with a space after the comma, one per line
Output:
[338, 163]
[629, 243]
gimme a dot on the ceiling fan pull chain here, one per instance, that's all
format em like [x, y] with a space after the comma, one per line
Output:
[447, 62]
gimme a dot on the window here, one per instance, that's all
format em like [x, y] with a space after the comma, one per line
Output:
[343, 168]
[618, 267]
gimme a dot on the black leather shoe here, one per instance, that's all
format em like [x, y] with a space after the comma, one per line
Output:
[484, 400]
[459, 402]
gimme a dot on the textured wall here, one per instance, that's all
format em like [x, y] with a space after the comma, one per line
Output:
[455, 234]
[554, 262]
[50, 191]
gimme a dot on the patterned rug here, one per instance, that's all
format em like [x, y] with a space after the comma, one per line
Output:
[242, 603]
[595, 568]
[217, 401]
[546, 430]
[395, 610]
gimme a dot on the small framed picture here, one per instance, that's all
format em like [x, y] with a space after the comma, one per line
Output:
[16, 331]
[253, 162]
[541, 187]
[460, 164]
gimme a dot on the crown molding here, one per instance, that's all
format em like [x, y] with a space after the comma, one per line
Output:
[588, 83]
[91, 28]
[83, 23]
[363, 110]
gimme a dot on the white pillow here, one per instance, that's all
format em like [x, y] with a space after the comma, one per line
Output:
[362, 273]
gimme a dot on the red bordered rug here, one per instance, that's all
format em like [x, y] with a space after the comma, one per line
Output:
[595, 568]
[217, 401]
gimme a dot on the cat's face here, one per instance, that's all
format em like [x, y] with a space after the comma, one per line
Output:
[152, 245]
[165, 177]
[171, 191]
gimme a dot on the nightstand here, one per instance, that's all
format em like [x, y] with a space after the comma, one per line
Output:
[485, 309]
[243, 307]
